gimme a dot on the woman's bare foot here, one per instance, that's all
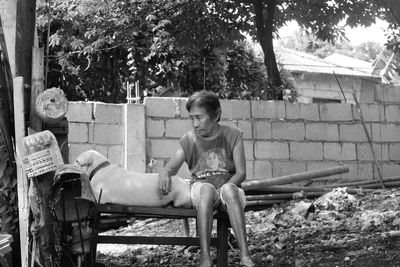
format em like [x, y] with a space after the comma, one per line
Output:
[205, 261]
[247, 262]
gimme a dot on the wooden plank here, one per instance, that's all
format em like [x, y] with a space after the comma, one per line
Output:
[164, 212]
[152, 240]
[22, 181]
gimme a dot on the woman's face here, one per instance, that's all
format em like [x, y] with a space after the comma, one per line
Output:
[202, 123]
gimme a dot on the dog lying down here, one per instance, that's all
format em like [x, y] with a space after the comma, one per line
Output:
[120, 186]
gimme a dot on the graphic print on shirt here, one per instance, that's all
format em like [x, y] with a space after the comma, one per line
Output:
[211, 167]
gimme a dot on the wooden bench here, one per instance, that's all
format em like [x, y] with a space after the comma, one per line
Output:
[220, 242]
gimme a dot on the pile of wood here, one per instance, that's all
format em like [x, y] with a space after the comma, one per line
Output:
[266, 192]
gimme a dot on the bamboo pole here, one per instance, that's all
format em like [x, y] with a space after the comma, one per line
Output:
[22, 181]
[287, 179]
[378, 167]
[361, 183]
[263, 202]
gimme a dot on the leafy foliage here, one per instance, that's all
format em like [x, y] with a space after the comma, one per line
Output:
[367, 51]
[179, 46]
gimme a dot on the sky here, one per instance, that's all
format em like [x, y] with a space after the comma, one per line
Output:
[356, 35]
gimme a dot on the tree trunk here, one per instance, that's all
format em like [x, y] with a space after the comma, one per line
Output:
[264, 34]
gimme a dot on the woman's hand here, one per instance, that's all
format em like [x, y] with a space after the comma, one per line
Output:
[171, 168]
[164, 182]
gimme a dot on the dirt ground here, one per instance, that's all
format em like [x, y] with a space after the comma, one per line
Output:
[336, 229]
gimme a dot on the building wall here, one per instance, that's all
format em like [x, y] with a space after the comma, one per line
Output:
[314, 85]
[279, 138]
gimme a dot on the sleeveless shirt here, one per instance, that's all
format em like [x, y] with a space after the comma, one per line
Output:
[211, 160]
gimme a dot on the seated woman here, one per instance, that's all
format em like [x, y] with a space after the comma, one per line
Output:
[215, 156]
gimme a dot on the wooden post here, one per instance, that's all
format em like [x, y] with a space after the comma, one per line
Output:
[37, 86]
[22, 181]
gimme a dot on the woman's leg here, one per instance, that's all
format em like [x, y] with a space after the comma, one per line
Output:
[235, 210]
[208, 196]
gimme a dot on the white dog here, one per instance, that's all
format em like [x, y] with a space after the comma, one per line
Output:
[120, 186]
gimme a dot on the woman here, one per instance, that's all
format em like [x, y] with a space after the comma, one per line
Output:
[212, 187]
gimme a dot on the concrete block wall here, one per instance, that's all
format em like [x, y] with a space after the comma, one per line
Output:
[284, 138]
[279, 138]
[98, 126]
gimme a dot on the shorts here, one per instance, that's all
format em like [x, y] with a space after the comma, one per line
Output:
[218, 201]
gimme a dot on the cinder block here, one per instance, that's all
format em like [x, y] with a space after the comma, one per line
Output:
[288, 130]
[337, 151]
[249, 170]
[306, 151]
[268, 109]
[76, 149]
[280, 168]
[392, 113]
[262, 130]
[271, 150]
[249, 149]
[394, 151]
[80, 111]
[163, 148]
[78, 132]
[388, 94]
[336, 112]
[230, 123]
[107, 134]
[155, 128]
[390, 170]
[353, 132]
[116, 155]
[108, 113]
[353, 172]
[235, 109]
[300, 111]
[365, 170]
[385, 132]
[320, 165]
[246, 127]
[177, 128]
[322, 132]
[364, 152]
[371, 112]
[262, 169]
[165, 107]
[183, 113]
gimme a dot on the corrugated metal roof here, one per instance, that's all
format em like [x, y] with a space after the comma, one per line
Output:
[293, 60]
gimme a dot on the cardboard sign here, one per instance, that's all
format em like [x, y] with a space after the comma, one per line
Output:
[40, 153]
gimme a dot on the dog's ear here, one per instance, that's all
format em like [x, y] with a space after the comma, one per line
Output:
[84, 161]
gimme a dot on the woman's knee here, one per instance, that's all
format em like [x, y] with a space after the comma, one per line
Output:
[229, 192]
[204, 194]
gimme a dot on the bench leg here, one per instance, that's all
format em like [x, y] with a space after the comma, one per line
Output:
[222, 242]
[186, 227]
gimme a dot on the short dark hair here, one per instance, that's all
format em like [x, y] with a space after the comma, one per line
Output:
[207, 100]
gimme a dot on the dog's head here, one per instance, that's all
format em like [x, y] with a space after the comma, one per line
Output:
[89, 161]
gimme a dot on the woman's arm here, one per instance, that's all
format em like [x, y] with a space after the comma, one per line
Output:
[239, 160]
[170, 169]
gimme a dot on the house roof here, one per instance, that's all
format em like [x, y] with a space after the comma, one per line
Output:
[296, 61]
[350, 62]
